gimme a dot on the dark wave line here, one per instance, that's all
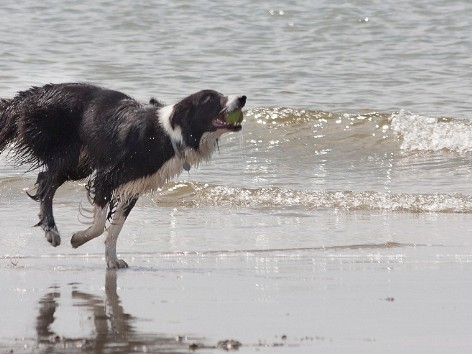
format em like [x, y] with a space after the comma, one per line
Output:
[365, 246]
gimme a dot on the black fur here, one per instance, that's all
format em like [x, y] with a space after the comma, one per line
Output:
[73, 131]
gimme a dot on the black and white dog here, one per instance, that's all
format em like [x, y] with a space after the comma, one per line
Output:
[73, 131]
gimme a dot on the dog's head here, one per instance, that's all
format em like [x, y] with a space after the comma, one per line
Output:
[206, 111]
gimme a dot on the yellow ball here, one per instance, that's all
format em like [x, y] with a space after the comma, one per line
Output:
[234, 117]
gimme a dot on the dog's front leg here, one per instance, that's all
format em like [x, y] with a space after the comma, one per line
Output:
[97, 228]
[119, 217]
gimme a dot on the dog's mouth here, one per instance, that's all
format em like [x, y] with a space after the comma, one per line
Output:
[230, 121]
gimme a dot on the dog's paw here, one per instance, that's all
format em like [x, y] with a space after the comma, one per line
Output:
[75, 241]
[53, 237]
[78, 239]
[117, 264]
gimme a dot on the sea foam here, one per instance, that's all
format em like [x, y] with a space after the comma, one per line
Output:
[420, 133]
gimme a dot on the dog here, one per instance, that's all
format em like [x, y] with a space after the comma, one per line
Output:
[75, 131]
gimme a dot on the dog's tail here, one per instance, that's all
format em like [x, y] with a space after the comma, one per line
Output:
[8, 126]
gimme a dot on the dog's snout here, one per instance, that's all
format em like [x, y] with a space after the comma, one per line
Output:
[235, 102]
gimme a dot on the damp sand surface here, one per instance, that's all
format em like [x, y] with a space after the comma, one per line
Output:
[357, 281]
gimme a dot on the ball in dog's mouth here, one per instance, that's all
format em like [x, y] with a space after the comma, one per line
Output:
[234, 117]
[230, 121]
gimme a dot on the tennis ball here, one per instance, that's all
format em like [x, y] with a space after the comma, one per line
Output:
[234, 117]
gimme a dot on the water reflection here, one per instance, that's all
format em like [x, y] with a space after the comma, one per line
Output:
[112, 329]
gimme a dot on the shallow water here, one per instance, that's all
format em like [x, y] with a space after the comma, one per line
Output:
[338, 220]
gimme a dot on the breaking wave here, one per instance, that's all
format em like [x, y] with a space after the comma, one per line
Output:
[419, 133]
[409, 131]
[292, 158]
[199, 194]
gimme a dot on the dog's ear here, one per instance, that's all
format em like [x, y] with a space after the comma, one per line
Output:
[155, 102]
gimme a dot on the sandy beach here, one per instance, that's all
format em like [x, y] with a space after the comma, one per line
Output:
[402, 285]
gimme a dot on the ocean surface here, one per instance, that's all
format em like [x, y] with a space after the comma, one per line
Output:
[339, 219]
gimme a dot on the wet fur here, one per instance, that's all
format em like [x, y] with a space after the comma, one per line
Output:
[125, 148]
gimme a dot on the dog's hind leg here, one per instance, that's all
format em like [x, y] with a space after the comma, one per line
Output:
[97, 228]
[47, 186]
[119, 217]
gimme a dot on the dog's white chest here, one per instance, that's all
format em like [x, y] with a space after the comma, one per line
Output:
[169, 170]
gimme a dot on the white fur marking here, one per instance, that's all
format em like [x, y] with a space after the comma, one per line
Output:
[95, 230]
[232, 103]
[171, 168]
[112, 237]
[165, 116]
[99, 220]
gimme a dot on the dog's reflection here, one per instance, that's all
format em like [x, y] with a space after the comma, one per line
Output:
[112, 326]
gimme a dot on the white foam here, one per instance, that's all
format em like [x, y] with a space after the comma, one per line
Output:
[419, 133]
[274, 197]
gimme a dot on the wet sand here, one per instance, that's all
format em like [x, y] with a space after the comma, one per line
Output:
[264, 281]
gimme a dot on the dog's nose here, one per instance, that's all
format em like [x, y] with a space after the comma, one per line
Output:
[242, 100]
